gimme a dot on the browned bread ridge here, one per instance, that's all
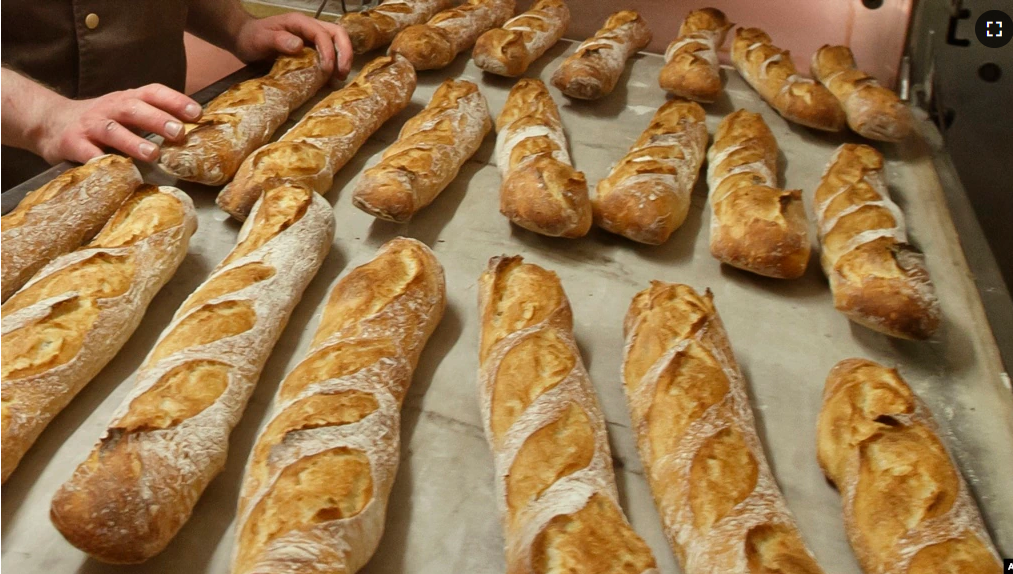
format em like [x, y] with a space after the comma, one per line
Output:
[376, 27]
[593, 71]
[436, 43]
[691, 67]
[509, 50]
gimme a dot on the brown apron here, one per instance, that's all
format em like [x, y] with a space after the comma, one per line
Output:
[86, 48]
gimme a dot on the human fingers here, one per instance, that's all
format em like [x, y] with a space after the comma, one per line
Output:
[135, 113]
[169, 100]
[309, 29]
[111, 133]
[343, 47]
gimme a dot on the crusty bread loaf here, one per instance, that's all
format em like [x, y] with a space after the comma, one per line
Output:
[325, 138]
[719, 503]
[873, 111]
[321, 470]
[646, 195]
[555, 485]
[170, 436]
[877, 278]
[907, 510]
[541, 191]
[430, 150]
[508, 51]
[593, 71]
[754, 225]
[770, 71]
[242, 119]
[377, 26]
[62, 215]
[71, 319]
[436, 43]
[691, 67]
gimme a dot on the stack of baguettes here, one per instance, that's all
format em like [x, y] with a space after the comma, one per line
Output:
[877, 278]
[326, 138]
[691, 67]
[170, 436]
[436, 43]
[321, 471]
[509, 50]
[427, 155]
[720, 506]
[555, 484]
[242, 119]
[62, 215]
[593, 71]
[72, 318]
[376, 27]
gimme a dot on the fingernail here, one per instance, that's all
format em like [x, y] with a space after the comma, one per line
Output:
[292, 43]
[173, 128]
[192, 110]
[148, 149]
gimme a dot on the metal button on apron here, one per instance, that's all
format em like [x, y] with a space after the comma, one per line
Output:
[91, 21]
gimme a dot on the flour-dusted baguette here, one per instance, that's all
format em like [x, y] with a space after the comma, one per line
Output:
[907, 510]
[754, 225]
[325, 138]
[541, 191]
[691, 67]
[62, 215]
[322, 468]
[170, 436]
[242, 119]
[555, 485]
[436, 43]
[376, 27]
[770, 71]
[646, 195]
[878, 279]
[508, 51]
[873, 111]
[430, 150]
[593, 71]
[72, 318]
[720, 506]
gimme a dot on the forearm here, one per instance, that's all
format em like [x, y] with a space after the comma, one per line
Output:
[216, 21]
[25, 108]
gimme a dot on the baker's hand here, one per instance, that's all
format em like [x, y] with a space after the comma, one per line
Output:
[262, 38]
[77, 130]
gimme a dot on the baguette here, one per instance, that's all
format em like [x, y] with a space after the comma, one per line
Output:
[429, 152]
[323, 466]
[76, 314]
[170, 436]
[872, 110]
[62, 215]
[646, 195]
[541, 191]
[376, 27]
[719, 503]
[326, 138]
[691, 67]
[436, 43]
[242, 119]
[508, 51]
[877, 278]
[770, 71]
[754, 225]
[555, 485]
[907, 510]
[593, 71]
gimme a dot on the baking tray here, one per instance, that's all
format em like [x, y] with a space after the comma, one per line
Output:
[442, 515]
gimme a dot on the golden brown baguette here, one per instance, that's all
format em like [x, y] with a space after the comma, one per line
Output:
[646, 195]
[878, 279]
[322, 468]
[170, 436]
[376, 27]
[593, 71]
[325, 138]
[691, 67]
[907, 510]
[62, 215]
[541, 191]
[508, 51]
[873, 111]
[72, 318]
[427, 155]
[754, 225]
[242, 119]
[555, 485]
[436, 43]
[721, 508]
[770, 71]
